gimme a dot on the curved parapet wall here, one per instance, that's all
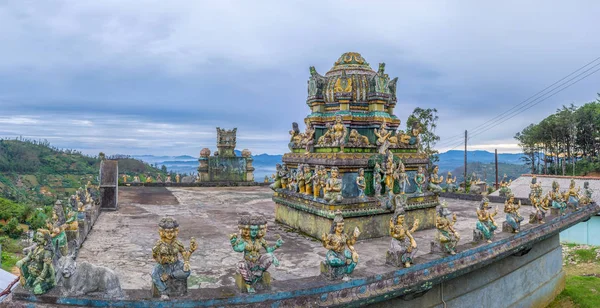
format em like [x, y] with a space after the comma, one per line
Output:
[535, 272]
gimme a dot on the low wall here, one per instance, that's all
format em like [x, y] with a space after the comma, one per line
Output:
[585, 232]
[522, 270]
[200, 184]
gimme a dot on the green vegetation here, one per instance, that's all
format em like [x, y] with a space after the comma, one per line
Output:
[582, 267]
[427, 118]
[487, 172]
[572, 134]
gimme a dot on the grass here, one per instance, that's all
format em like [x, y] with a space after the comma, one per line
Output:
[8, 261]
[582, 287]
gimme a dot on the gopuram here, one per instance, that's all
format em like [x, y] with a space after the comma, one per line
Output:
[352, 128]
[224, 165]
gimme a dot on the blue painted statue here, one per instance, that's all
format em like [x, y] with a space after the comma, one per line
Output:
[513, 218]
[558, 200]
[573, 200]
[341, 258]
[485, 223]
[253, 268]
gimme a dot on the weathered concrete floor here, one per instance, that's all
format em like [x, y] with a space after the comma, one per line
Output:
[122, 240]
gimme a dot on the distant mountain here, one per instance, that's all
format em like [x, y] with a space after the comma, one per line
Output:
[265, 163]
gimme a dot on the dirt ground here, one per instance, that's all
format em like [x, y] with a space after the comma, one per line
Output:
[122, 240]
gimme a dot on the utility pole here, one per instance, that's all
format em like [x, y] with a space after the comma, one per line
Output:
[465, 160]
[496, 156]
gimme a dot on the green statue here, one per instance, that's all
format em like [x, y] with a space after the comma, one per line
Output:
[37, 272]
[419, 180]
[249, 240]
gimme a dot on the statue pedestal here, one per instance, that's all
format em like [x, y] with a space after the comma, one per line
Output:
[263, 284]
[507, 228]
[333, 273]
[175, 288]
[394, 259]
[478, 236]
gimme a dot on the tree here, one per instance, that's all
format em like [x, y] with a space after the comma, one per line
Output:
[427, 119]
[163, 168]
[12, 228]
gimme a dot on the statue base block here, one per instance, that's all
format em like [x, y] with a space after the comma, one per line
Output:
[478, 236]
[394, 259]
[175, 288]
[332, 273]
[263, 284]
[507, 228]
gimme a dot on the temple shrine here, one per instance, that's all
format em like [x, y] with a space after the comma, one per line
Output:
[352, 157]
[224, 165]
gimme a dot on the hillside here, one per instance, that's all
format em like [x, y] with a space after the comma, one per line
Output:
[487, 171]
[35, 173]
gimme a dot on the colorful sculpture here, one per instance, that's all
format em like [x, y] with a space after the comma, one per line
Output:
[504, 189]
[360, 183]
[357, 140]
[450, 186]
[284, 175]
[293, 183]
[317, 180]
[403, 246]
[300, 180]
[377, 180]
[587, 194]
[573, 195]
[341, 258]
[277, 181]
[252, 270]
[57, 232]
[419, 180]
[332, 191]
[558, 200]
[177, 178]
[37, 272]
[446, 238]
[390, 168]
[295, 137]
[136, 179]
[485, 226]
[435, 180]
[169, 276]
[308, 180]
[513, 218]
[383, 136]
[536, 188]
[540, 207]
[339, 133]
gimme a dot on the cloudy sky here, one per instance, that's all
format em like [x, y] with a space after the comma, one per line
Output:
[156, 77]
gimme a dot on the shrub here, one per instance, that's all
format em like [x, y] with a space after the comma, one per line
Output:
[12, 228]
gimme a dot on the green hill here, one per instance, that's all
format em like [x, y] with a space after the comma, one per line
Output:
[35, 173]
[487, 171]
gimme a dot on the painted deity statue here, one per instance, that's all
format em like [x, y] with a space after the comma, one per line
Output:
[277, 178]
[360, 183]
[293, 182]
[308, 139]
[504, 187]
[419, 180]
[339, 133]
[284, 174]
[341, 257]
[450, 182]
[124, 176]
[149, 179]
[177, 178]
[300, 179]
[57, 232]
[402, 177]
[414, 134]
[513, 218]
[169, 180]
[377, 180]
[295, 136]
[403, 246]
[573, 195]
[37, 272]
[327, 137]
[136, 179]
[435, 180]
[166, 253]
[253, 268]
[332, 191]
[536, 188]
[558, 200]
[587, 194]
[486, 224]
[308, 183]
[159, 178]
[390, 168]
[540, 206]
[382, 135]
[316, 181]
[447, 237]
[355, 139]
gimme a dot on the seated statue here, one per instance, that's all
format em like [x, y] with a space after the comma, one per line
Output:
[57, 233]
[327, 138]
[573, 200]
[357, 140]
[558, 200]
[136, 179]
[447, 238]
[540, 207]
[513, 218]
[536, 188]
[332, 191]
[403, 246]
[37, 271]
[587, 194]
[485, 226]
[295, 137]
[308, 138]
[435, 180]
[277, 178]
[252, 270]
[504, 189]
[341, 258]
[169, 276]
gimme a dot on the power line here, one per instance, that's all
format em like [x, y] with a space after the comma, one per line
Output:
[528, 107]
[494, 119]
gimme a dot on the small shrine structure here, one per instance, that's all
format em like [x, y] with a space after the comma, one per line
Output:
[224, 165]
